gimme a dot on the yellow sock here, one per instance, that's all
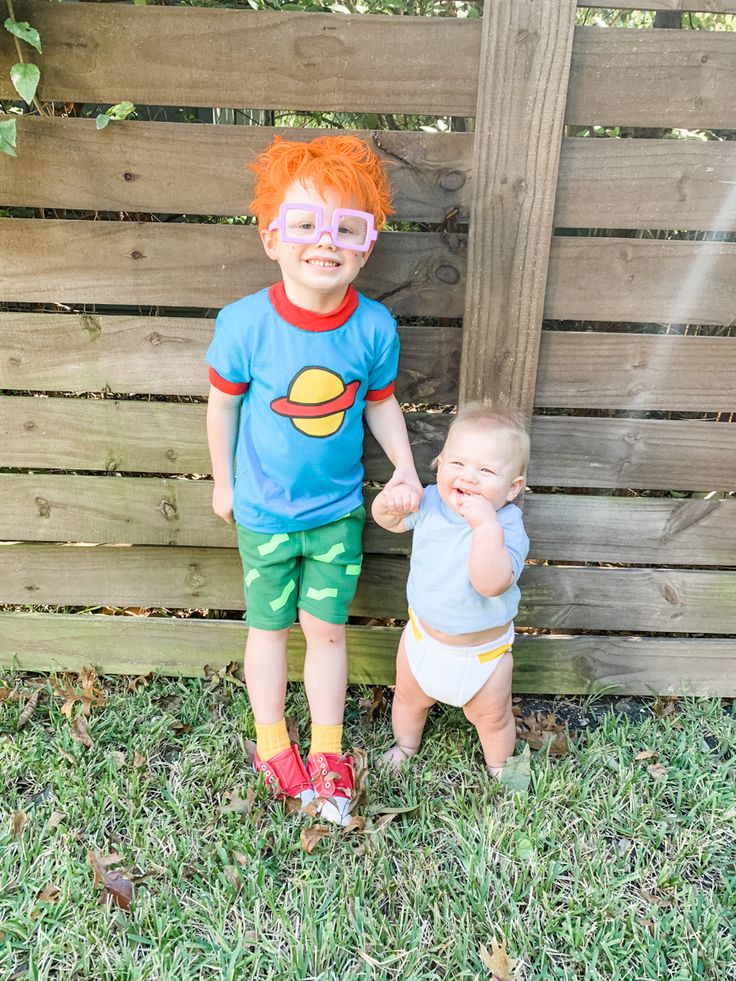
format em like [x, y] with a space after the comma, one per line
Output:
[326, 739]
[271, 739]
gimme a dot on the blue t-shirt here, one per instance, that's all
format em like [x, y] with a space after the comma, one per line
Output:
[298, 459]
[439, 589]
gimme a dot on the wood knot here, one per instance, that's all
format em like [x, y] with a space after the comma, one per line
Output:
[447, 274]
[127, 176]
[136, 254]
[171, 455]
[452, 180]
[44, 508]
[13, 362]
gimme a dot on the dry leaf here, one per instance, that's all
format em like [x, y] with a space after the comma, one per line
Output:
[138, 760]
[49, 895]
[117, 889]
[646, 754]
[67, 756]
[311, 836]
[142, 681]
[55, 819]
[29, 709]
[250, 751]
[237, 804]
[19, 822]
[370, 709]
[79, 732]
[658, 771]
[241, 859]
[292, 727]
[356, 823]
[233, 877]
[501, 966]
[650, 897]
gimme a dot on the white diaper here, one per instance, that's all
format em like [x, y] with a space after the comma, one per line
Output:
[451, 674]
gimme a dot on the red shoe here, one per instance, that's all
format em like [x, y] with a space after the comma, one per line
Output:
[285, 775]
[332, 779]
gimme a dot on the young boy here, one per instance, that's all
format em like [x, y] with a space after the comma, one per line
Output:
[468, 551]
[292, 370]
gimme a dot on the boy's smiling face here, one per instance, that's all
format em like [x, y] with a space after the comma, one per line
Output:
[316, 277]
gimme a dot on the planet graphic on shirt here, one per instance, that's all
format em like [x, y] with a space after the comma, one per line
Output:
[316, 401]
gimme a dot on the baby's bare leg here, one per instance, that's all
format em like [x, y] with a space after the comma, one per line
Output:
[490, 712]
[409, 713]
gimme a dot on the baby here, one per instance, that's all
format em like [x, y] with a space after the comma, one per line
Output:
[468, 552]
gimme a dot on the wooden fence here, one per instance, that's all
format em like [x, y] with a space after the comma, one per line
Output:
[102, 497]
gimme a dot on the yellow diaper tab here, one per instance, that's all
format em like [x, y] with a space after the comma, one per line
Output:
[493, 654]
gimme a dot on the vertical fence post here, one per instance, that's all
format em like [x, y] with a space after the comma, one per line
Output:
[522, 88]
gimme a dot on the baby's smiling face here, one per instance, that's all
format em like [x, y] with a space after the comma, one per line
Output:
[480, 463]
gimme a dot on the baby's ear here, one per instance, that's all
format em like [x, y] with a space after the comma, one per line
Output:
[269, 237]
[516, 485]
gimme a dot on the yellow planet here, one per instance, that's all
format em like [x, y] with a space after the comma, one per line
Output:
[317, 401]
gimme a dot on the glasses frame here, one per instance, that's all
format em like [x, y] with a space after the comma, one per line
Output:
[320, 226]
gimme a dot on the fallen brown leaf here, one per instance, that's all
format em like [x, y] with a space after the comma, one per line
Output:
[79, 732]
[236, 804]
[139, 760]
[311, 836]
[501, 966]
[55, 819]
[117, 889]
[233, 877]
[651, 897]
[292, 727]
[658, 771]
[646, 754]
[29, 709]
[250, 751]
[49, 895]
[142, 681]
[371, 708]
[19, 822]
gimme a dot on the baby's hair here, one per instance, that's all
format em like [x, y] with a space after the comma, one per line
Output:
[492, 418]
[345, 164]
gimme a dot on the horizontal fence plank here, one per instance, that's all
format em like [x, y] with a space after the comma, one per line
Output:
[636, 453]
[126, 436]
[416, 274]
[707, 6]
[165, 356]
[652, 78]
[184, 57]
[43, 433]
[636, 371]
[630, 183]
[195, 265]
[562, 597]
[542, 664]
[190, 57]
[603, 183]
[68, 163]
[641, 280]
[568, 528]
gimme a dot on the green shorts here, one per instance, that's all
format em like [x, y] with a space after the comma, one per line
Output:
[315, 570]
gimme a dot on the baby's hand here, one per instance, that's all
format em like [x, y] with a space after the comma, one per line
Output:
[401, 499]
[477, 510]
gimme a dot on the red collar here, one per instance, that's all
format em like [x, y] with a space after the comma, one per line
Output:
[306, 319]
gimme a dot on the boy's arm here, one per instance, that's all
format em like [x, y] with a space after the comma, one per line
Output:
[223, 414]
[490, 568]
[386, 421]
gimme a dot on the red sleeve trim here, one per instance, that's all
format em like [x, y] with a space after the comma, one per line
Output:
[379, 394]
[229, 388]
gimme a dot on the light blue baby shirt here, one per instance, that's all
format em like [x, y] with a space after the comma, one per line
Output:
[439, 588]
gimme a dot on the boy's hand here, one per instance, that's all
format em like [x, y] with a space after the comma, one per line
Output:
[407, 482]
[477, 510]
[222, 502]
[401, 499]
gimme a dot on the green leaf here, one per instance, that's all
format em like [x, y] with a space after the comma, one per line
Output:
[24, 31]
[516, 775]
[25, 78]
[7, 137]
[102, 120]
[524, 847]
[121, 110]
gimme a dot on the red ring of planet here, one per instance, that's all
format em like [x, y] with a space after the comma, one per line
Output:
[301, 410]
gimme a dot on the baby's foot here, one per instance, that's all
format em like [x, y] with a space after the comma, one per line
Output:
[395, 757]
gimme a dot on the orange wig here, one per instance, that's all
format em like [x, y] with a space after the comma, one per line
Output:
[344, 164]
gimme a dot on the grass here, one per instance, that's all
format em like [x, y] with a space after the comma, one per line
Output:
[603, 871]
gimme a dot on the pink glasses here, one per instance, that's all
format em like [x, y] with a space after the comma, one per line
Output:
[304, 224]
